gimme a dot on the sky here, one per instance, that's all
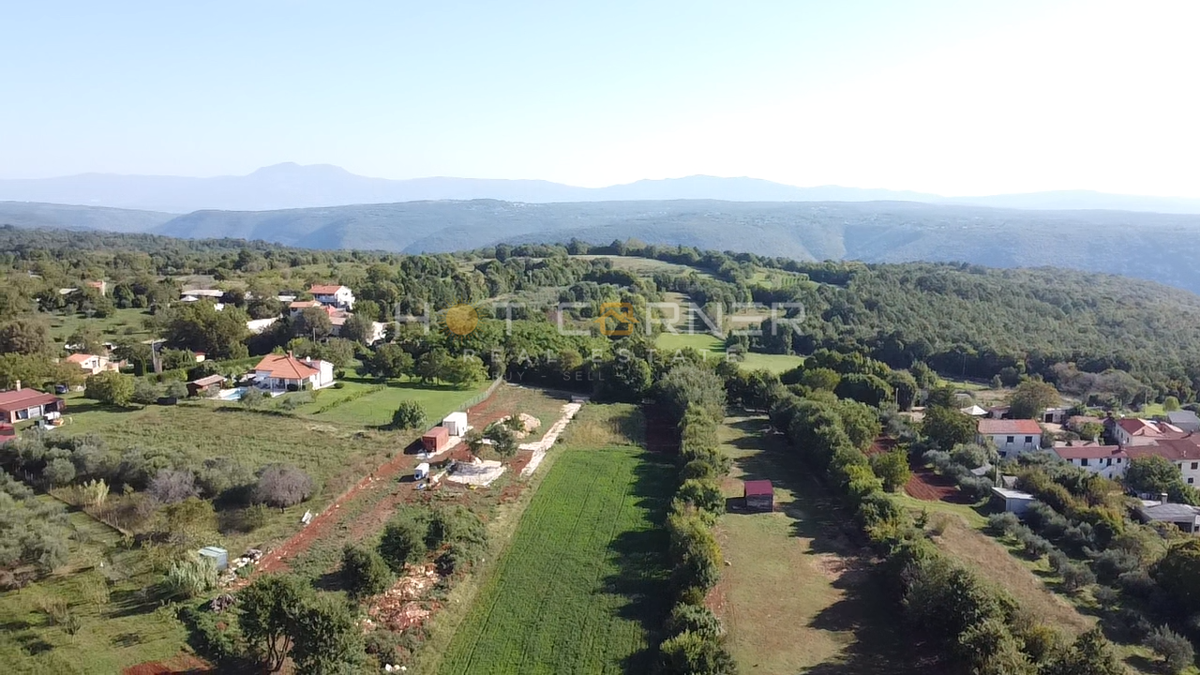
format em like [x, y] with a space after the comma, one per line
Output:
[949, 97]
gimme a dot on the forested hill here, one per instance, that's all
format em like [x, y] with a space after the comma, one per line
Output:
[1142, 245]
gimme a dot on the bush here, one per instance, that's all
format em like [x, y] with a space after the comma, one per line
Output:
[282, 486]
[1076, 576]
[170, 486]
[697, 619]
[458, 526]
[410, 415]
[1035, 545]
[403, 539]
[1138, 584]
[691, 653]
[1111, 564]
[1107, 596]
[190, 577]
[892, 469]
[1174, 649]
[59, 472]
[1059, 561]
[1003, 523]
[364, 572]
[1132, 624]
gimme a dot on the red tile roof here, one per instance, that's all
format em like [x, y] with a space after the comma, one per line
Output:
[758, 488]
[285, 366]
[79, 358]
[325, 289]
[19, 399]
[304, 304]
[1089, 451]
[1009, 427]
[1174, 449]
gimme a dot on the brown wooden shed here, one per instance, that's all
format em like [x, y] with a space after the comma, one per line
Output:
[205, 386]
[759, 495]
[435, 439]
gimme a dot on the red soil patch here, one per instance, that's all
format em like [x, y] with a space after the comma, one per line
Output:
[184, 663]
[929, 486]
[882, 445]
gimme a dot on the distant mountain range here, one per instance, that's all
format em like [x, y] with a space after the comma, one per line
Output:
[291, 186]
[1157, 247]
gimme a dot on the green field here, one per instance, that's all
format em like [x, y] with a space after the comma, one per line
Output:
[703, 342]
[582, 583]
[376, 407]
[123, 324]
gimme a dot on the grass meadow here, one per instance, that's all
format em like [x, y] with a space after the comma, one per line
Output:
[703, 342]
[581, 584]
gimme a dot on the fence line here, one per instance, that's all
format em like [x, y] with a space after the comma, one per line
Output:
[475, 400]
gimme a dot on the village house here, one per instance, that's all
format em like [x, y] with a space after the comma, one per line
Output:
[1011, 437]
[278, 373]
[333, 295]
[1184, 453]
[1138, 431]
[101, 286]
[1109, 461]
[93, 364]
[295, 307]
[18, 405]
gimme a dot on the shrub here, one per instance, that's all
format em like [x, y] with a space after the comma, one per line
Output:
[691, 653]
[697, 619]
[1003, 523]
[1035, 545]
[1107, 596]
[892, 469]
[409, 415]
[1138, 584]
[703, 494]
[1112, 563]
[1076, 576]
[59, 472]
[282, 486]
[364, 572]
[1059, 561]
[404, 538]
[1132, 624]
[1174, 649]
[170, 486]
[190, 577]
[460, 527]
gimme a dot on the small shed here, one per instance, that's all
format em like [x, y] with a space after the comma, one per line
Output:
[456, 423]
[759, 495]
[1015, 501]
[422, 471]
[205, 386]
[218, 555]
[436, 439]
[1186, 518]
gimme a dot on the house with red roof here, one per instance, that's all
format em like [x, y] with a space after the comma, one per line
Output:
[1183, 452]
[92, 364]
[1109, 461]
[1138, 431]
[18, 405]
[279, 373]
[1011, 437]
[334, 295]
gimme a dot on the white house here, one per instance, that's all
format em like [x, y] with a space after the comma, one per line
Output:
[1184, 453]
[337, 296]
[1137, 431]
[1109, 461]
[279, 372]
[257, 326]
[298, 306]
[93, 364]
[1010, 436]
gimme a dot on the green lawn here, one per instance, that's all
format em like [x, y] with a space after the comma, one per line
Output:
[375, 408]
[581, 586]
[715, 348]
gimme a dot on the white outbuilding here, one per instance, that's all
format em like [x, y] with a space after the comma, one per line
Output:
[456, 423]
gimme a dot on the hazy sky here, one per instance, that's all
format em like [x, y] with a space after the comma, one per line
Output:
[952, 97]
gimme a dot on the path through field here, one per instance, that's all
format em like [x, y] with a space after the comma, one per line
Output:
[796, 596]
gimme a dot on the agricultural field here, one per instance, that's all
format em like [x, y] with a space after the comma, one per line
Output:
[830, 619]
[645, 266]
[579, 587]
[715, 348]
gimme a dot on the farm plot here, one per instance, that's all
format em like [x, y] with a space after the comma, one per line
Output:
[581, 584]
[714, 348]
[376, 407]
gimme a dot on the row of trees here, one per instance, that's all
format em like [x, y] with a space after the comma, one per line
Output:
[694, 640]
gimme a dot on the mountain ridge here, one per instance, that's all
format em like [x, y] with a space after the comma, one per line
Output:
[290, 185]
